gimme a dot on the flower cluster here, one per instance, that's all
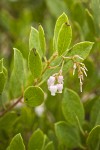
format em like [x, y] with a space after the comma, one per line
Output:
[55, 84]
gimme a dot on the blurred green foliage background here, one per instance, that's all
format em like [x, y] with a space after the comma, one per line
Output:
[16, 19]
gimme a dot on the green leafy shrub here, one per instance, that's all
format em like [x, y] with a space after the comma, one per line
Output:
[43, 112]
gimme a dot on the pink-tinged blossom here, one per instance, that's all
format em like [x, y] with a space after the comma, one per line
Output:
[59, 88]
[55, 84]
[60, 79]
[53, 89]
[51, 81]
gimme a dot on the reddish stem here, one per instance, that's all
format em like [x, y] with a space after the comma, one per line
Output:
[11, 107]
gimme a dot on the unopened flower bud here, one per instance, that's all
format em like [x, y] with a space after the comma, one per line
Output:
[60, 79]
[51, 81]
[59, 88]
[53, 89]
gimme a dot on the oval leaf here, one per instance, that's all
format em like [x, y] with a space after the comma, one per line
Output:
[95, 113]
[54, 5]
[8, 148]
[82, 49]
[8, 120]
[17, 79]
[36, 141]
[17, 143]
[35, 63]
[1, 65]
[34, 40]
[5, 72]
[72, 107]
[96, 11]
[67, 134]
[49, 146]
[42, 39]
[19, 66]
[3, 76]
[90, 21]
[93, 140]
[2, 81]
[33, 96]
[64, 38]
[62, 19]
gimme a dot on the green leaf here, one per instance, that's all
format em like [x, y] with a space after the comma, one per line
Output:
[35, 63]
[5, 72]
[72, 107]
[8, 148]
[36, 141]
[27, 117]
[90, 21]
[62, 19]
[82, 49]
[79, 13]
[49, 146]
[34, 42]
[19, 65]
[93, 140]
[2, 81]
[1, 65]
[64, 38]
[3, 76]
[33, 96]
[96, 11]
[17, 143]
[42, 39]
[54, 5]
[15, 89]
[7, 121]
[95, 113]
[17, 79]
[67, 134]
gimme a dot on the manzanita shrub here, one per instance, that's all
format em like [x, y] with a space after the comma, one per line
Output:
[39, 79]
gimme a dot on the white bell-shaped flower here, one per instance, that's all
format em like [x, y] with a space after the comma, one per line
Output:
[53, 89]
[51, 81]
[59, 88]
[60, 79]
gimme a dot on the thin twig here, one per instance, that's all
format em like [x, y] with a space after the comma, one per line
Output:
[11, 107]
[49, 61]
[47, 66]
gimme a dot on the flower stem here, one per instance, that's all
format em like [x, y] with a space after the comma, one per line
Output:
[47, 66]
[62, 65]
[49, 61]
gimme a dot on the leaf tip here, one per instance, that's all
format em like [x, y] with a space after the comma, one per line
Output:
[64, 14]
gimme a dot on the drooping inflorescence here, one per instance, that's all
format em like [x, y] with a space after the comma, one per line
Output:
[81, 68]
